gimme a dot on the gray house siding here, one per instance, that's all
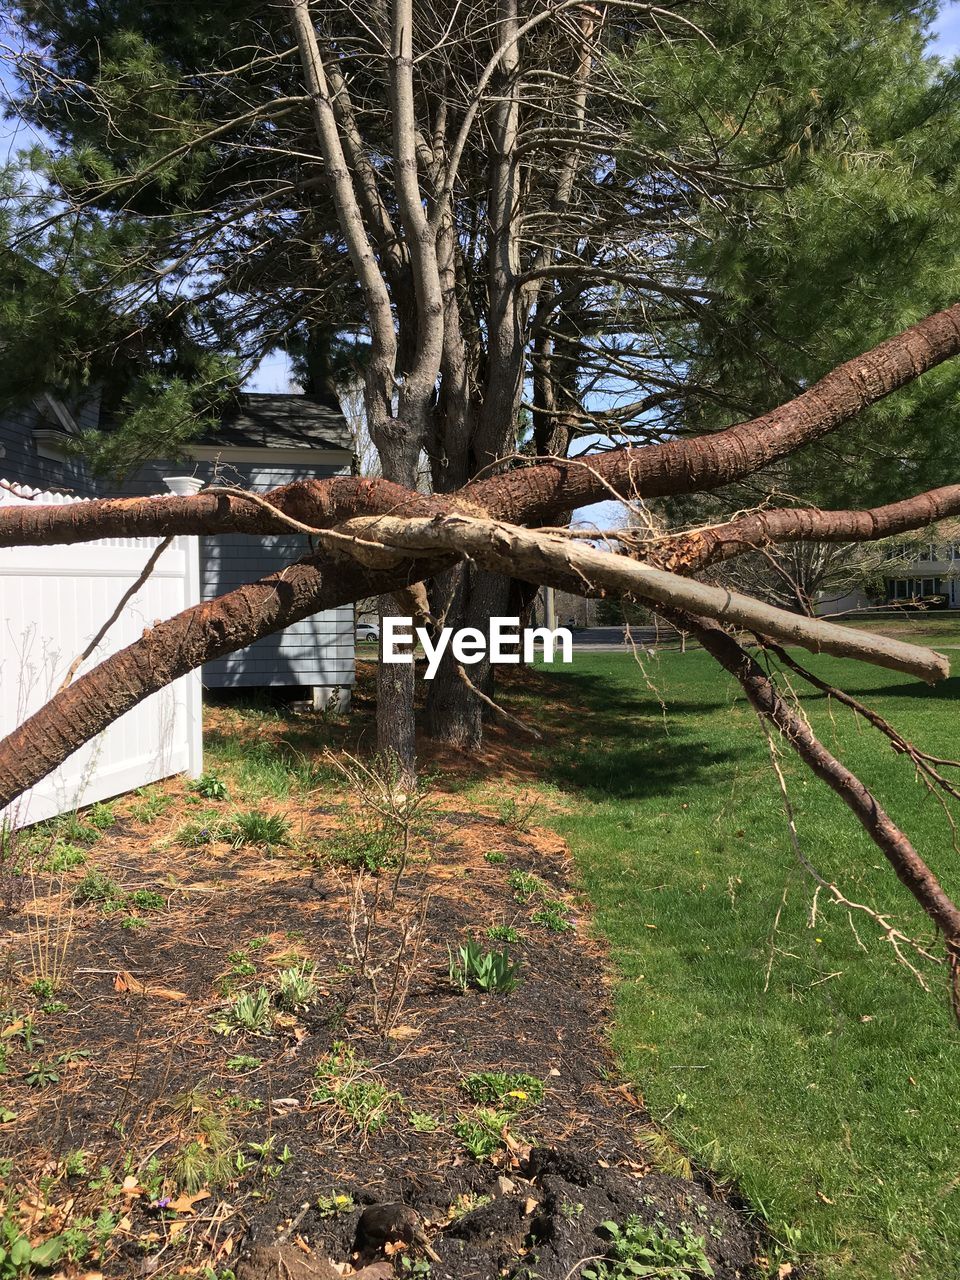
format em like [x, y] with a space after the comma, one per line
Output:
[317, 652]
[21, 462]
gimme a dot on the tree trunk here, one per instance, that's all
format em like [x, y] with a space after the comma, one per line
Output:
[396, 718]
[397, 682]
[454, 712]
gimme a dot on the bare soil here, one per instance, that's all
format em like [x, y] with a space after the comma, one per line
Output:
[143, 1072]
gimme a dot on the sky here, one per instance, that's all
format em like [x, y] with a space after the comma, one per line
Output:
[947, 29]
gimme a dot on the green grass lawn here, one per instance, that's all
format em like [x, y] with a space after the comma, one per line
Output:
[832, 1098]
[921, 628]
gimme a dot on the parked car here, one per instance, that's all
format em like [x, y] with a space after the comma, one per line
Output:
[368, 631]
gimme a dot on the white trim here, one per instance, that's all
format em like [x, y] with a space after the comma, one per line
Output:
[235, 453]
[62, 414]
[47, 443]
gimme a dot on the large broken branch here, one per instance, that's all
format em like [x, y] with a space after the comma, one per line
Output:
[315, 503]
[464, 524]
[688, 552]
[373, 556]
[544, 558]
[534, 494]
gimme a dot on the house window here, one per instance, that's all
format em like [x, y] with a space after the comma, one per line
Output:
[927, 552]
[914, 588]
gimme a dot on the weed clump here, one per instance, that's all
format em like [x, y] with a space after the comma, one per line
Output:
[513, 1089]
[550, 912]
[639, 1250]
[254, 827]
[350, 1085]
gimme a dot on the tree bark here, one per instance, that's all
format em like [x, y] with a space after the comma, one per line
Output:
[704, 547]
[546, 491]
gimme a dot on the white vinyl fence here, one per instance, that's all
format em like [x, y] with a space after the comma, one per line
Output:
[53, 601]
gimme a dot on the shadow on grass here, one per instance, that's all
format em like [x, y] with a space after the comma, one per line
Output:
[943, 690]
[623, 744]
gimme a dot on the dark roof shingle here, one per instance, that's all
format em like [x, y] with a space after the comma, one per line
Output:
[281, 421]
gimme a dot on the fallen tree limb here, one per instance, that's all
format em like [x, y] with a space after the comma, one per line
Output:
[375, 556]
[172, 648]
[534, 494]
[315, 504]
[689, 552]
[545, 490]
[559, 562]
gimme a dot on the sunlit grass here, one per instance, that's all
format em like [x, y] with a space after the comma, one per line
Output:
[800, 1060]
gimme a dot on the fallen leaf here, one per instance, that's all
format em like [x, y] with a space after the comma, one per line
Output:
[784, 1270]
[403, 1032]
[184, 1203]
[823, 1199]
[529, 1205]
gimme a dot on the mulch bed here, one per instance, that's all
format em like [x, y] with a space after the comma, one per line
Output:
[139, 1033]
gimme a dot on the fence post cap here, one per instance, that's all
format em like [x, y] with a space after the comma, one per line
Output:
[183, 486]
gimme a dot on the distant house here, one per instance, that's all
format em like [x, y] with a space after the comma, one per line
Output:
[920, 574]
[926, 573]
[261, 441]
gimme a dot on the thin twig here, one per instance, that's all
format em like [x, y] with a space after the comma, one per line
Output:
[127, 596]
